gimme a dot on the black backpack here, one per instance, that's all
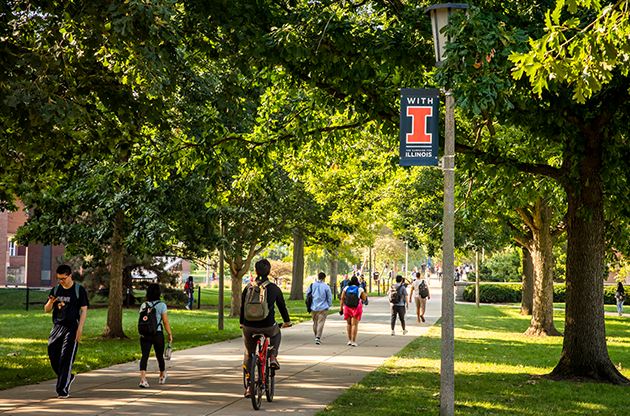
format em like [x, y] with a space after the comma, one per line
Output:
[147, 322]
[352, 297]
[395, 296]
[309, 299]
[423, 291]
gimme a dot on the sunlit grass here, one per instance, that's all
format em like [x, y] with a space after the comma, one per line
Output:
[498, 371]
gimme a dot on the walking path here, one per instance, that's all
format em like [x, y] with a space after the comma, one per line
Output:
[208, 380]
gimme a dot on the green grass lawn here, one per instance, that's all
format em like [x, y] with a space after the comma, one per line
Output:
[24, 335]
[497, 372]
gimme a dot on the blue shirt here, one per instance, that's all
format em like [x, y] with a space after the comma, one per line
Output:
[322, 296]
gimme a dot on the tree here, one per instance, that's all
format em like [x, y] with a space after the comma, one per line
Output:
[81, 81]
[107, 215]
[587, 139]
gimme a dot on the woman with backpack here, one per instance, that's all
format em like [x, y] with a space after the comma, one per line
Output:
[157, 339]
[620, 297]
[352, 308]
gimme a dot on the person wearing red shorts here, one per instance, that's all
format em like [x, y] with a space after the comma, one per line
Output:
[352, 308]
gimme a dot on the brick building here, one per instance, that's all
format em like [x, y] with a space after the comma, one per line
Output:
[25, 266]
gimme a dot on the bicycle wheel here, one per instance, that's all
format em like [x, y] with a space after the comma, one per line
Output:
[270, 383]
[256, 381]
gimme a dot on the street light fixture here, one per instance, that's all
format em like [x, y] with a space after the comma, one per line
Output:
[440, 14]
[439, 18]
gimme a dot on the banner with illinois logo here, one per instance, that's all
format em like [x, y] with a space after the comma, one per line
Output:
[419, 125]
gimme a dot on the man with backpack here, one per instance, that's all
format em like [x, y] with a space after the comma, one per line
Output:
[420, 292]
[257, 315]
[321, 303]
[68, 302]
[398, 303]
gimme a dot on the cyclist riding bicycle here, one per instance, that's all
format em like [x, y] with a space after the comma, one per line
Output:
[267, 325]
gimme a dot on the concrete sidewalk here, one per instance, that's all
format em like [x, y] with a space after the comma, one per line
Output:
[208, 380]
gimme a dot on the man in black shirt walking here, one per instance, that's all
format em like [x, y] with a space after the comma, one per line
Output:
[268, 324]
[69, 304]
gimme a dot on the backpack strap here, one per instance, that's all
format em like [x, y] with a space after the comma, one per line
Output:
[263, 287]
[156, 314]
[55, 290]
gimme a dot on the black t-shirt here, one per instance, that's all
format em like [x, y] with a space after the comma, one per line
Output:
[68, 315]
[274, 296]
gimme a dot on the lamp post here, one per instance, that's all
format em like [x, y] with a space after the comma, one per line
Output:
[439, 18]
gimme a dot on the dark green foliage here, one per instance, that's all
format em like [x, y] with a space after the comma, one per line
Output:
[559, 293]
[491, 293]
[503, 266]
[511, 293]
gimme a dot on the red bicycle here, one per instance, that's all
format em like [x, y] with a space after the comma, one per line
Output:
[261, 378]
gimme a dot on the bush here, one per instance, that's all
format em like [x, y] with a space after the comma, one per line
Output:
[512, 293]
[504, 266]
[609, 295]
[493, 293]
[559, 293]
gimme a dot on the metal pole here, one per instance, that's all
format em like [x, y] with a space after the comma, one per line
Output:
[221, 282]
[447, 377]
[27, 301]
[406, 259]
[477, 278]
[371, 273]
[207, 269]
[198, 297]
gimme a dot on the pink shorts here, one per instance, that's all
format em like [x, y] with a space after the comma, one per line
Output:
[353, 312]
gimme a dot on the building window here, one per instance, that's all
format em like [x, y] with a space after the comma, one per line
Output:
[12, 249]
[46, 264]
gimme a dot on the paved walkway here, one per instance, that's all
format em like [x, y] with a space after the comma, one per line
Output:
[208, 380]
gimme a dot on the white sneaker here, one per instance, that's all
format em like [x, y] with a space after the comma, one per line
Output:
[163, 378]
[393, 332]
[405, 332]
[144, 384]
[354, 344]
[349, 342]
[318, 341]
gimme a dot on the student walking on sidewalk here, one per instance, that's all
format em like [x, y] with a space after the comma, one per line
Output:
[420, 292]
[352, 308]
[68, 302]
[398, 303]
[157, 340]
[322, 301]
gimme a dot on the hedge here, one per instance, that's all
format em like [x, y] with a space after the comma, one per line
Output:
[511, 293]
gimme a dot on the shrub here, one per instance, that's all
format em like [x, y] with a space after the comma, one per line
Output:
[609, 295]
[559, 293]
[504, 266]
[512, 293]
[493, 293]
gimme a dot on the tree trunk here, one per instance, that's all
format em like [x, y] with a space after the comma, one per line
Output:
[334, 264]
[114, 327]
[527, 302]
[541, 250]
[297, 281]
[584, 351]
[238, 268]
